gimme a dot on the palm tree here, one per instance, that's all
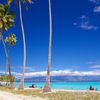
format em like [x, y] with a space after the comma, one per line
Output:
[47, 87]
[11, 39]
[23, 36]
[6, 21]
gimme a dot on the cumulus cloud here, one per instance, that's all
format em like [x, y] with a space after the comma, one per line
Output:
[96, 9]
[58, 73]
[88, 26]
[83, 22]
[53, 73]
[63, 72]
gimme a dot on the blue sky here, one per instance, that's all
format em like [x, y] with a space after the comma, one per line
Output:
[76, 36]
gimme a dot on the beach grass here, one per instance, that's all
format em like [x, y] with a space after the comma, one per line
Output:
[26, 92]
[63, 95]
[57, 95]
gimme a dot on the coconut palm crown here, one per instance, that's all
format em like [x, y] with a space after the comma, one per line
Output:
[11, 39]
[6, 18]
[17, 2]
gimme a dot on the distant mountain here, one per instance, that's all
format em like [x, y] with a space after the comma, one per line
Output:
[64, 79]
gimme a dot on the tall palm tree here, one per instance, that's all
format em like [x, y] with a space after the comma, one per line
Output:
[24, 49]
[6, 21]
[47, 87]
[18, 2]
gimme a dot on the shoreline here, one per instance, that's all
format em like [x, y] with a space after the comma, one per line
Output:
[65, 90]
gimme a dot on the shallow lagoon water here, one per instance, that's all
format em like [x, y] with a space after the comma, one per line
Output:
[65, 85]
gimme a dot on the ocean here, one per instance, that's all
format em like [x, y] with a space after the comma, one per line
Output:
[65, 85]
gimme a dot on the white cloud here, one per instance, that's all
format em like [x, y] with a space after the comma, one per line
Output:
[83, 22]
[95, 1]
[29, 69]
[92, 1]
[93, 62]
[84, 17]
[59, 73]
[2, 72]
[95, 66]
[16, 74]
[87, 26]
[96, 9]
[97, 6]
[64, 72]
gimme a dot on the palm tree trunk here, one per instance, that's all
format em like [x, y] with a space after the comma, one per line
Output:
[7, 61]
[47, 87]
[24, 48]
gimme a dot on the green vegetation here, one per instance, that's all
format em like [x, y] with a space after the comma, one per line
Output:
[6, 22]
[4, 78]
[62, 95]
[37, 92]
[6, 18]
[73, 96]
[11, 39]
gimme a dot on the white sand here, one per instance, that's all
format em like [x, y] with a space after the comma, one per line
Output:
[65, 90]
[10, 96]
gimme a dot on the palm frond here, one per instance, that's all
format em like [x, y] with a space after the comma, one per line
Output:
[11, 39]
[9, 1]
[6, 17]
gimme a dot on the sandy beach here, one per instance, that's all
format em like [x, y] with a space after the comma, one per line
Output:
[10, 96]
[59, 93]
[81, 91]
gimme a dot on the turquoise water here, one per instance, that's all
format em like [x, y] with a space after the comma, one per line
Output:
[66, 85]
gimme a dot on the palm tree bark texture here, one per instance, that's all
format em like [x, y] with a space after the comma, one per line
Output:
[47, 87]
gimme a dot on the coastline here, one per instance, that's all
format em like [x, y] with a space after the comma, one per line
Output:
[82, 91]
[66, 90]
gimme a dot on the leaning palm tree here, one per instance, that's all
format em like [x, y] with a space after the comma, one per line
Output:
[6, 21]
[47, 87]
[18, 2]
[11, 40]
